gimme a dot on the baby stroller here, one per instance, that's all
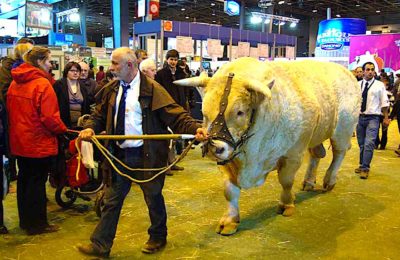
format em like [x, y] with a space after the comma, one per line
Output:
[79, 181]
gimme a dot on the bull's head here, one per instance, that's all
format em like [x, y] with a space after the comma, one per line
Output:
[228, 123]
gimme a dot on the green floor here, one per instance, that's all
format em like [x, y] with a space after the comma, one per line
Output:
[359, 219]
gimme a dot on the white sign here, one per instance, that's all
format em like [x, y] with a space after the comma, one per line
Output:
[141, 8]
[243, 49]
[8, 27]
[290, 52]
[184, 44]
[99, 52]
[263, 50]
[214, 48]
[254, 52]
[234, 52]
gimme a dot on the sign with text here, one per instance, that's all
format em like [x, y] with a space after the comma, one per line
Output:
[154, 8]
[168, 26]
[290, 53]
[243, 49]
[141, 11]
[254, 52]
[263, 50]
[214, 48]
[184, 44]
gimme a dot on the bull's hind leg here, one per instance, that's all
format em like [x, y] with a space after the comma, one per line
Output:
[286, 173]
[316, 153]
[229, 222]
[340, 145]
[311, 174]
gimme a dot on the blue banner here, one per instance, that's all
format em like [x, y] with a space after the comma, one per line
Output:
[334, 34]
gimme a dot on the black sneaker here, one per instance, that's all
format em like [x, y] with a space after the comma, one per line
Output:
[177, 168]
[153, 245]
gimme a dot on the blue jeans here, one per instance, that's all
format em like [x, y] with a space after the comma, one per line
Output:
[367, 131]
[104, 233]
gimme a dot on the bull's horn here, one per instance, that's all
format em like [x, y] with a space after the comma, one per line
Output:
[200, 81]
[261, 88]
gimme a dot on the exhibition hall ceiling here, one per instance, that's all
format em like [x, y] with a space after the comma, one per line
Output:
[211, 11]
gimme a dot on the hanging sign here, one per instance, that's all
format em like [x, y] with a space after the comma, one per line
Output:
[167, 26]
[141, 11]
[263, 50]
[184, 44]
[243, 49]
[154, 8]
[231, 7]
[290, 52]
[214, 48]
[254, 52]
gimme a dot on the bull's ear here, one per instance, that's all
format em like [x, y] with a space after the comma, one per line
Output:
[260, 88]
[200, 81]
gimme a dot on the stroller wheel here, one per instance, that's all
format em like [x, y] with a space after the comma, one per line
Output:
[65, 197]
[99, 203]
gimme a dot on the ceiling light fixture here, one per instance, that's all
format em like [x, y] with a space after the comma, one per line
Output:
[212, 4]
[378, 11]
[255, 19]
[183, 9]
[315, 10]
[187, 17]
[101, 13]
[338, 15]
[270, 17]
[281, 2]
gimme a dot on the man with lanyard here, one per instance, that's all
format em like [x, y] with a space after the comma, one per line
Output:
[374, 102]
[134, 105]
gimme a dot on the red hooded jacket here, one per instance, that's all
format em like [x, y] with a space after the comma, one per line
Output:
[33, 115]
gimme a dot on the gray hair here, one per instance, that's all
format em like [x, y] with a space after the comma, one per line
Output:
[126, 54]
[147, 64]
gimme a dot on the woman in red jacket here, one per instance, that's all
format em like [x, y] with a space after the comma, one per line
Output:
[35, 122]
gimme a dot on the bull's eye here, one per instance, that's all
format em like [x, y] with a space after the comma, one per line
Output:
[240, 113]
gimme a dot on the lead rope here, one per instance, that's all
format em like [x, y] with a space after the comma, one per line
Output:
[110, 157]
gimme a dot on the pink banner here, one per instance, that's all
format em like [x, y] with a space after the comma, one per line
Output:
[381, 49]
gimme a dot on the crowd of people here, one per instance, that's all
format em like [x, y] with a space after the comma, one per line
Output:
[37, 112]
[129, 98]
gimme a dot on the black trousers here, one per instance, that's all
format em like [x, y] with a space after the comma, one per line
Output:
[1, 192]
[31, 192]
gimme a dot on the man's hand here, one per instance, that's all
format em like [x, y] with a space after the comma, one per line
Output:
[201, 134]
[386, 122]
[86, 134]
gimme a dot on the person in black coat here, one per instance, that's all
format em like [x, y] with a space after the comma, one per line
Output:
[73, 102]
[72, 98]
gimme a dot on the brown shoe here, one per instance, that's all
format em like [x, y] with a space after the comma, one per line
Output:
[42, 230]
[153, 245]
[364, 174]
[177, 168]
[358, 170]
[91, 250]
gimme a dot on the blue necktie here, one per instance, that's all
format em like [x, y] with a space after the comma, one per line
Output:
[364, 97]
[120, 126]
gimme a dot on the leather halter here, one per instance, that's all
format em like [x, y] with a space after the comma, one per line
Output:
[218, 129]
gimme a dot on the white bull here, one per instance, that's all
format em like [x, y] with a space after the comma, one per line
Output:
[294, 106]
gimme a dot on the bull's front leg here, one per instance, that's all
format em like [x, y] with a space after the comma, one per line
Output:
[229, 222]
[286, 173]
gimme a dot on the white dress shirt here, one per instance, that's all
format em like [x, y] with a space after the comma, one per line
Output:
[133, 113]
[376, 98]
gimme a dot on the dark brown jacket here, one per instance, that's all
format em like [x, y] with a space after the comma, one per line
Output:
[159, 111]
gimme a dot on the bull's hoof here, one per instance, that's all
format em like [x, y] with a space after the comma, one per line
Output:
[329, 187]
[307, 186]
[227, 229]
[285, 211]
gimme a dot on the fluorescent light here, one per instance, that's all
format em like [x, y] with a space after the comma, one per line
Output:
[256, 19]
[75, 17]
[338, 15]
[315, 10]
[183, 9]
[293, 25]
[378, 11]
[281, 2]
[187, 17]
[282, 23]
[267, 21]
[212, 4]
